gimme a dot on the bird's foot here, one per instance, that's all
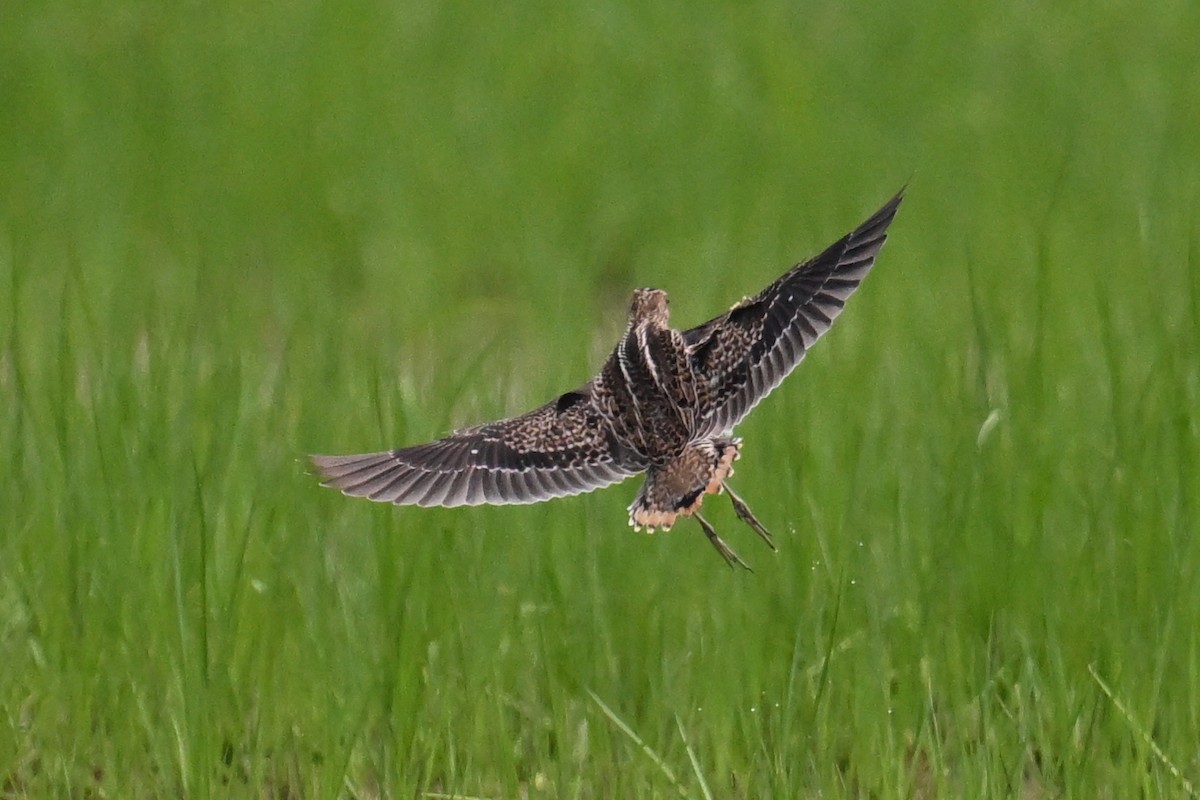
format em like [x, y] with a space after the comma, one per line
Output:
[747, 516]
[731, 558]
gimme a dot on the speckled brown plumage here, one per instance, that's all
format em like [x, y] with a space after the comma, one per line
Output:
[664, 403]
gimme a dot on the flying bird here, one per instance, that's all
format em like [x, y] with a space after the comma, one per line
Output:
[665, 403]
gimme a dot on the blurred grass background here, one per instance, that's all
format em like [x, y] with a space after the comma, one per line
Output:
[234, 233]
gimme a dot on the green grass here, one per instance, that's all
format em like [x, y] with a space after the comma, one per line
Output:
[232, 234]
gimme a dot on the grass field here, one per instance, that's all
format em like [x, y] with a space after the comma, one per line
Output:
[235, 233]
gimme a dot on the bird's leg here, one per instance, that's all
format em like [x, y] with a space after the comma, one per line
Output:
[747, 516]
[731, 558]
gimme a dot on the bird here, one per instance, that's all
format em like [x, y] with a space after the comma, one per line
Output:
[664, 403]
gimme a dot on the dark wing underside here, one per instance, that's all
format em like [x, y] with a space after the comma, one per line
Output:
[747, 351]
[560, 449]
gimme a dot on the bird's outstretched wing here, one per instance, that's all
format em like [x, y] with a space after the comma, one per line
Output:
[745, 353]
[563, 448]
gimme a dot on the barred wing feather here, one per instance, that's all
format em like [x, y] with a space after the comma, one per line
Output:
[562, 448]
[747, 351]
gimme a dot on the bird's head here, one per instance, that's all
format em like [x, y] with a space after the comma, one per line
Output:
[649, 306]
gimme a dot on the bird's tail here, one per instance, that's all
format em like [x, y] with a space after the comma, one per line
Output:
[677, 488]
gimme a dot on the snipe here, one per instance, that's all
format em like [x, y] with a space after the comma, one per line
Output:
[665, 403]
